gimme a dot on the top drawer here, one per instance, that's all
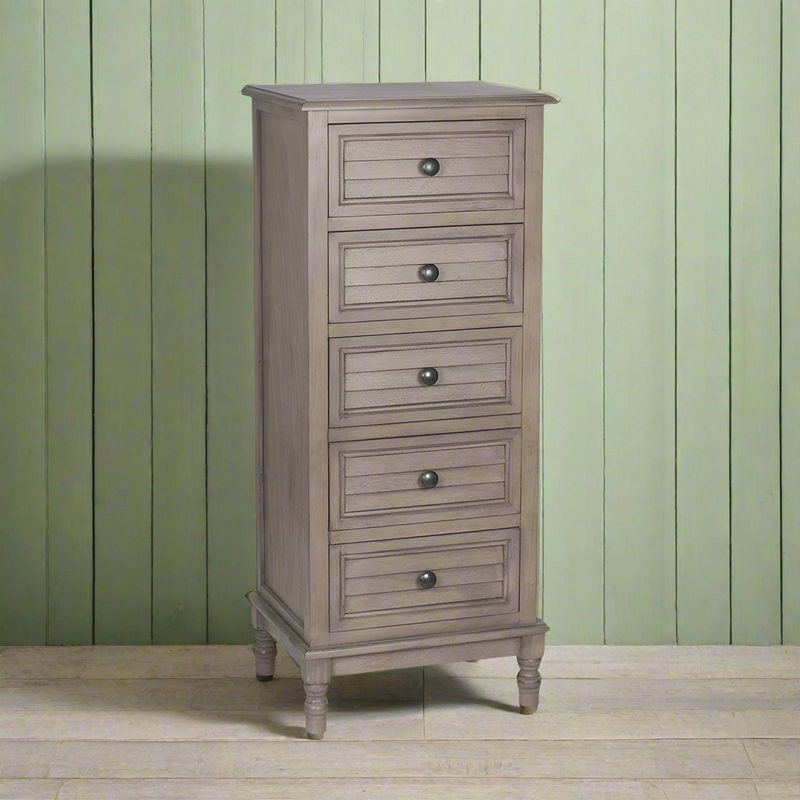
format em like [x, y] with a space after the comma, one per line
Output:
[422, 167]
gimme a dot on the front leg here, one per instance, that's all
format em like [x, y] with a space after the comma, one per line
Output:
[528, 679]
[265, 651]
[316, 708]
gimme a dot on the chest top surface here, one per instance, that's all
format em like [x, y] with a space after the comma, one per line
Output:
[334, 95]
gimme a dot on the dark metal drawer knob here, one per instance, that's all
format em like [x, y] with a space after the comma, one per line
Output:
[429, 272]
[427, 580]
[430, 166]
[429, 479]
[428, 376]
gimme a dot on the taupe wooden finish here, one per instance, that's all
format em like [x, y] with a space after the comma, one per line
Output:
[394, 525]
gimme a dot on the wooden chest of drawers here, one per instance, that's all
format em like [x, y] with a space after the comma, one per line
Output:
[398, 311]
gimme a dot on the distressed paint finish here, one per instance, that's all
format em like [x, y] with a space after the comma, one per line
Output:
[235, 52]
[572, 274]
[23, 499]
[122, 324]
[702, 445]
[452, 44]
[48, 498]
[68, 211]
[755, 323]
[179, 356]
[349, 41]
[790, 330]
[639, 324]
[402, 53]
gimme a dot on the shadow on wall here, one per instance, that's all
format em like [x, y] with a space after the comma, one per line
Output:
[126, 328]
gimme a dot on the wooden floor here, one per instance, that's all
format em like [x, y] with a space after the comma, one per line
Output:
[641, 723]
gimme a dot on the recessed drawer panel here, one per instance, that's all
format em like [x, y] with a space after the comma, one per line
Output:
[420, 167]
[377, 275]
[399, 582]
[410, 377]
[424, 479]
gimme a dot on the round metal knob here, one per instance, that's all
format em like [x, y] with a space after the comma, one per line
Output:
[427, 580]
[429, 272]
[429, 376]
[429, 479]
[430, 166]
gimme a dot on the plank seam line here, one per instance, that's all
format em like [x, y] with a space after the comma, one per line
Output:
[675, 304]
[780, 325]
[205, 310]
[152, 506]
[730, 325]
[605, 22]
[94, 370]
[46, 338]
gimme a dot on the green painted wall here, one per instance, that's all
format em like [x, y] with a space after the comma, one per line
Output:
[671, 395]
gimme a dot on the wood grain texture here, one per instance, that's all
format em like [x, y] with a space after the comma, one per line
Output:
[452, 40]
[361, 605]
[235, 51]
[572, 343]
[402, 40]
[282, 307]
[755, 323]
[416, 141]
[702, 324]
[68, 211]
[23, 464]
[349, 41]
[377, 483]
[179, 313]
[510, 42]
[639, 324]
[122, 322]
[790, 324]
[356, 357]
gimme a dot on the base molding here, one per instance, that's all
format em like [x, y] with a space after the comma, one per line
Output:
[440, 648]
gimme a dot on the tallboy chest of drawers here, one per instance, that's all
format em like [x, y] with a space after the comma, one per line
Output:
[397, 332]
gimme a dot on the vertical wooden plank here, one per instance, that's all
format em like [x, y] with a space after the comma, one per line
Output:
[23, 553]
[179, 354]
[313, 41]
[702, 324]
[510, 42]
[639, 322]
[452, 44]
[121, 96]
[755, 322]
[349, 41]
[238, 50]
[68, 213]
[402, 37]
[290, 34]
[790, 320]
[572, 65]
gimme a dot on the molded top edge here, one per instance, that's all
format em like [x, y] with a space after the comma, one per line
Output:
[318, 96]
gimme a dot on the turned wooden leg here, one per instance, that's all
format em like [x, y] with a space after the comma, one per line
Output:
[265, 652]
[528, 678]
[316, 708]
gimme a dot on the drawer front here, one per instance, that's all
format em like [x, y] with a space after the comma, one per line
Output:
[377, 275]
[377, 585]
[420, 167]
[424, 479]
[380, 379]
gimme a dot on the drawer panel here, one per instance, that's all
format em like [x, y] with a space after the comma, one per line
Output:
[377, 275]
[378, 584]
[378, 379]
[379, 482]
[377, 168]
